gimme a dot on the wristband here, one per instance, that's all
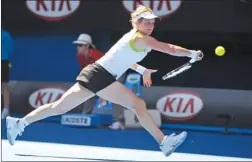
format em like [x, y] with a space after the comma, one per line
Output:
[140, 69]
[193, 54]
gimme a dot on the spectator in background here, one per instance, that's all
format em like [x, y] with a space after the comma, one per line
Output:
[6, 53]
[88, 54]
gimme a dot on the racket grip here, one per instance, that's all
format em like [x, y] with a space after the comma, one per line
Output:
[192, 60]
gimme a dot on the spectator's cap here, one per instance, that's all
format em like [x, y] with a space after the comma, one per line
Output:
[84, 39]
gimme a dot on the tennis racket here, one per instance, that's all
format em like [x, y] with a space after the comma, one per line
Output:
[179, 70]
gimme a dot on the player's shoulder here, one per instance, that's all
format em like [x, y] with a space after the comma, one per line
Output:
[145, 39]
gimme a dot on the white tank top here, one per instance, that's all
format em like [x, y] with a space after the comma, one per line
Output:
[122, 55]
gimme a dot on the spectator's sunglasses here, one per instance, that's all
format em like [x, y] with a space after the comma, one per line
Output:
[80, 45]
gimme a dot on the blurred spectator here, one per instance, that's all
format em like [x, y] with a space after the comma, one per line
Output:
[88, 54]
[6, 53]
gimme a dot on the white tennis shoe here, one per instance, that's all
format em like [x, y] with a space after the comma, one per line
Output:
[171, 142]
[15, 127]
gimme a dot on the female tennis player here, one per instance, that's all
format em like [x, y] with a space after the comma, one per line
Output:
[101, 77]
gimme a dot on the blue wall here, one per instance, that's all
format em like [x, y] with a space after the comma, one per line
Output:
[49, 58]
[44, 58]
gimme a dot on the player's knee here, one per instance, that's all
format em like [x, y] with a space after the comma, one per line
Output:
[56, 108]
[141, 102]
[53, 108]
[140, 106]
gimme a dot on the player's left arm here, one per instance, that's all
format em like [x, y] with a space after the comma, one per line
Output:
[138, 68]
[146, 73]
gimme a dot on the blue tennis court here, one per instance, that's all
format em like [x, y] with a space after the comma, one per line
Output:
[63, 143]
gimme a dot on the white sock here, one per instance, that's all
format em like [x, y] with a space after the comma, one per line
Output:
[5, 113]
[23, 122]
[163, 140]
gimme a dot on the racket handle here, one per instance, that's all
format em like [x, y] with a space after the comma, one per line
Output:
[199, 56]
[192, 60]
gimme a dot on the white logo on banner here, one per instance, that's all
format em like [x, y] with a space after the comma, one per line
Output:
[159, 7]
[180, 105]
[75, 120]
[44, 96]
[53, 10]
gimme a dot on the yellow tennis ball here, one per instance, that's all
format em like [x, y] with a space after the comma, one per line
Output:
[220, 51]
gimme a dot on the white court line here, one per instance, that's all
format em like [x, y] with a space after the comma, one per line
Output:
[49, 151]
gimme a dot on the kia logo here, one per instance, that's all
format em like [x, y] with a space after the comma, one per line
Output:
[45, 96]
[52, 10]
[180, 105]
[160, 8]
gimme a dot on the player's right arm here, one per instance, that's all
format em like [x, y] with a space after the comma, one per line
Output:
[150, 42]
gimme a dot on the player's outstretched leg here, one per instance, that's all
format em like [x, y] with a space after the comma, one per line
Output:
[119, 94]
[71, 98]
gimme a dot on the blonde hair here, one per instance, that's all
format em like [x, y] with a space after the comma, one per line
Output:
[140, 9]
